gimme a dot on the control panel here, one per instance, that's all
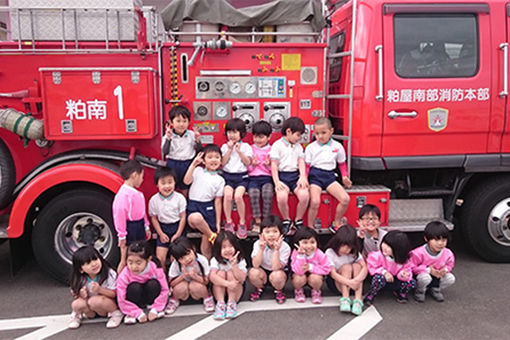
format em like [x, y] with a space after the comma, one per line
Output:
[249, 112]
[239, 87]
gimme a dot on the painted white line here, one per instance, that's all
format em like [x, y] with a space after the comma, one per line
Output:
[38, 321]
[198, 329]
[43, 333]
[358, 326]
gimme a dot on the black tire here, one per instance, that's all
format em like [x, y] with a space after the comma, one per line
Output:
[69, 221]
[478, 206]
[7, 175]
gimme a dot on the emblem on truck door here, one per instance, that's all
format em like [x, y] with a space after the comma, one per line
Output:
[437, 118]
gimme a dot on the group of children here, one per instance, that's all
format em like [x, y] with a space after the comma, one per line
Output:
[220, 267]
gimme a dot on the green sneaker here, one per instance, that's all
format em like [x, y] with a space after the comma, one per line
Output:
[345, 304]
[357, 307]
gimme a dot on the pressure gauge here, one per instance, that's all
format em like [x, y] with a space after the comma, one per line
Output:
[250, 88]
[235, 88]
[219, 86]
[221, 112]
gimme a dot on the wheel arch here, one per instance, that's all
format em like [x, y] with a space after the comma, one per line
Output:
[54, 181]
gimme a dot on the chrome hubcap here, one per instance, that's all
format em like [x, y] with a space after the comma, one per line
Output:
[498, 223]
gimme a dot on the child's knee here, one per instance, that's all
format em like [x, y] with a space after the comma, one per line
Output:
[194, 219]
[256, 274]
[96, 302]
[315, 201]
[303, 195]
[315, 280]
[344, 199]
[79, 304]
[277, 276]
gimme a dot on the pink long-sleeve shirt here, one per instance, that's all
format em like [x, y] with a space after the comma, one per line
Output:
[318, 263]
[128, 205]
[150, 272]
[377, 263]
[422, 260]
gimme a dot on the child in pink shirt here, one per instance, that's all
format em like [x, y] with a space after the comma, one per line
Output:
[309, 264]
[433, 263]
[128, 207]
[140, 284]
[259, 172]
[390, 267]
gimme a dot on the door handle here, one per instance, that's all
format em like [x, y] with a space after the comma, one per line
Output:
[395, 114]
[504, 48]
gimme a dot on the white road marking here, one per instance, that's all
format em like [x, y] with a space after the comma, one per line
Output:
[53, 324]
[358, 326]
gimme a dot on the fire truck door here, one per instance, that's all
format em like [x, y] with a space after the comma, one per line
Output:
[436, 83]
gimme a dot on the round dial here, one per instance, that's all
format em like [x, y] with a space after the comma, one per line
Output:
[221, 111]
[219, 86]
[250, 88]
[235, 87]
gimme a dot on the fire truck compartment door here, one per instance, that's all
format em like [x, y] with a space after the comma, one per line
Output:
[437, 84]
[99, 103]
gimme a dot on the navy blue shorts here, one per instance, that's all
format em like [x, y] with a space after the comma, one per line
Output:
[321, 178]
[169, 229]
[206, 209]
[235, 180]
[180, 168]
[289, 178]
[135, 231]
[257, 182]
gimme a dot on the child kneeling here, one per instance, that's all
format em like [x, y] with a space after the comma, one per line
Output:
[269, 258]
[188, 275]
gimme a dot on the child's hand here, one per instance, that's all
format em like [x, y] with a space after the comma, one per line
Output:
[267, 161]
[198, 159]
[361, 229]
[232, 284]
[404, 274]
[279, 186]
[83, 293]
[278, 243]
[254, 161]
[142, 318]
[300, 249]
[233, 259]
[262, 242]
[302, 182]
[174, 237]
[230, 144]
[442, 272]
[197, 134]
[347, 182]
[164, 238]
[237, 146]
[94, 287]
[148, 234]
[168, 132]
[305, 267]
[388, 277]
[434, 272]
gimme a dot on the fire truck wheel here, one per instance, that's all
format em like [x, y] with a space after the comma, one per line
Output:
[69, 221]
[7, 175]
[485, 219]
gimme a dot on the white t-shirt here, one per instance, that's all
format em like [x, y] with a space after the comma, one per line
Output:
[182, 148]
[167, 209]
[227, 266]
[286, 154]
[206, 185]
[338, 261]
[175, 267]
[325, 156]
[109, 283]
[235, 164]
[267, 255]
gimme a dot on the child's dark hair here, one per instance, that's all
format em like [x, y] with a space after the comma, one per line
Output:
[142, 249]
[295, 124]
[236, 124]
[323, 121]
[271, 221]
[345, 236]
[435, 230]
[83, 256]
[399, 244]
[369, 208]
[304, 233]
[181, 247]
[179, 110]
[211, 148]
[261, 128]
[127, 168]
[226, 236]
[162, 172]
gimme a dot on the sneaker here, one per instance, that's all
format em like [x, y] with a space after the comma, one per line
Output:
[436, 294]
[299, 295]
[401, 297]
[357, 307]
[255, 296]
[279, 296]
[255, 227]
[316, 296]
[242, 231]
[229, 226]
[158, 315]
[333, 228]
[219, 311]
[75, 321]
[231, 310]
[345, 304]
[209, 304]
[299, 224]
[292, 230]
[129, 320]
[419, 295]
[286, 226]
[212, 238]
[115, 319]
[171, 307]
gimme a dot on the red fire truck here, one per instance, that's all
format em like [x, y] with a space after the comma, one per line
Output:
[416, 91]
